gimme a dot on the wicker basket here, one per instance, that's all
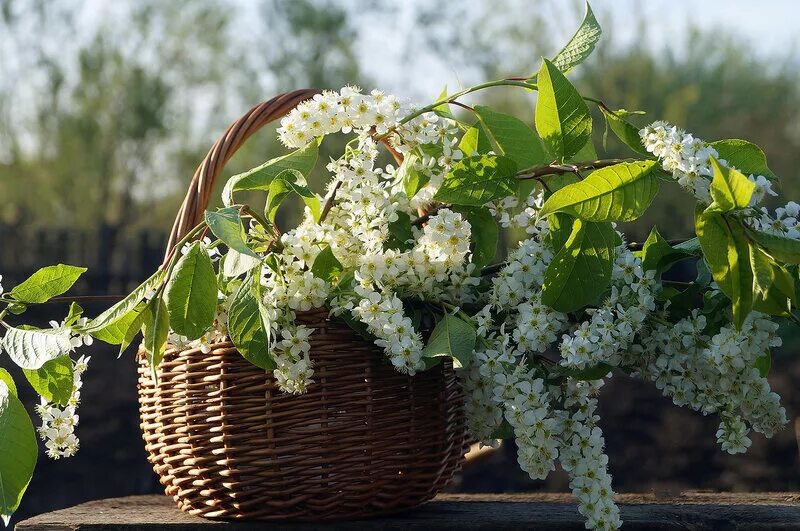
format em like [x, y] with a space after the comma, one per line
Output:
[227, 443]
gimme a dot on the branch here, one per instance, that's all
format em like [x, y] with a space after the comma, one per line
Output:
[494, 268]
[555, 168]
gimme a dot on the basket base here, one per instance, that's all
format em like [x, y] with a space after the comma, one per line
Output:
[364, 440]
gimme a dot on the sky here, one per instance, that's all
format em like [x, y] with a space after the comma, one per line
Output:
[770, 26]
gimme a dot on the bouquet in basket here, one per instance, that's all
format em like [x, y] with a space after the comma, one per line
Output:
[406, 254]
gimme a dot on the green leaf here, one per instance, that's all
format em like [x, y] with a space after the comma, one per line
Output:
[587, 153]
[581, 271]
[726, 250]
[285, 183]
[19, 452]
[303, 160]
[121, 309]
[617, 193]
[5, 377]
[155, 328]
[443, 109]
[581, 45]
[682, 303]
[761, 265]
[246, 326]
[560, 224]
[485, 235]
[560, 229]
[475, 181]
[730, 190]
[659, 255]
[30, 349]
[774, 286]
[781, 248]
[763, 364]
[47, 283]
[562, 117]
[413, 179]
[53, 380]
[326, 266]
[73, 315]
[191, 293]
[627, 133]
[452, 337]
[235, 263]
[690, 246]
[16, 308]
[114, 333]
[746, 157]
[475, 141]
[785, 281]
[511, 137]
[132, 331]
[226, 224]
[401, 234]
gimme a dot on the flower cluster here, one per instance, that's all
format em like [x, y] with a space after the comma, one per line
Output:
[526, 218]
[548, 424]
[610, 329]
[583, 457]
[689, 160]
[291, 353]
[286, 291]
[527, 410]
[385, 318]
[716, 373]
[786, 221]
[59, 422]
[365, 204]
[330, 112]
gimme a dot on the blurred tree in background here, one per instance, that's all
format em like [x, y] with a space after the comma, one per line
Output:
[110, 125]
[122, 111]
[107, 116]
[711, 84]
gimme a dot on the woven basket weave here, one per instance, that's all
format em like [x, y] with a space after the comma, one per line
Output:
[364, 440]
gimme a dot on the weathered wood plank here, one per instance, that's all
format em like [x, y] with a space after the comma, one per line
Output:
[686, 511]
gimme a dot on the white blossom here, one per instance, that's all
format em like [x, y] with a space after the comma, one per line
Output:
[689, 160]
[59, 422]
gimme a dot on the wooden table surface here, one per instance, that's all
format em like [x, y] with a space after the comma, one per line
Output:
[689, 510]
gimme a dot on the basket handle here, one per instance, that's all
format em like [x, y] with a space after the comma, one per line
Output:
[202, 184]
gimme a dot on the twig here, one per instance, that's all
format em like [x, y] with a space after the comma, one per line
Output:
[329, 202]
[637, 246]
[428, 215]
[463, 106]
[492, 269]
[85, 298]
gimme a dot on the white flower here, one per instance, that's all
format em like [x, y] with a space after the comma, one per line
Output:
[763, 187]
[688, 159]
[59, 422]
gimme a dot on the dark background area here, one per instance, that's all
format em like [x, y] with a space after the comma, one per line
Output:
[107, 108]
